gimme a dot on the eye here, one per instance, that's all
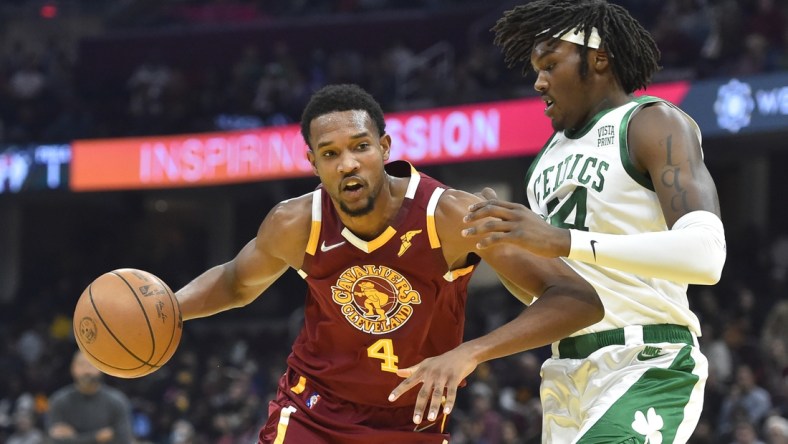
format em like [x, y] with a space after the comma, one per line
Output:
[549, 67]
[328, 153]
[362, 146]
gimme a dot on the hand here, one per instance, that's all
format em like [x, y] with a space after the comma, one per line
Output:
[487, 194]
[62, 430]
[516, 224]
[437, 375]
[105, 434]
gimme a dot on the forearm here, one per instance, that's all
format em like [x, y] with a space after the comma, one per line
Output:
[555, 315]
[210, 293]
[693, 252]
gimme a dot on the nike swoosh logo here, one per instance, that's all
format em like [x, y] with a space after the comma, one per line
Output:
[645, 357]
[325, 247]
[593, 249]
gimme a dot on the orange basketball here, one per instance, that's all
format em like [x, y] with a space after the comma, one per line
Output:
[128, 323]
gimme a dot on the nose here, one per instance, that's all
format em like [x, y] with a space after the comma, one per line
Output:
[541, 83]
[347, 163]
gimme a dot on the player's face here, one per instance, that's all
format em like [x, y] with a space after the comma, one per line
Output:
[565, 93]
[348, 154]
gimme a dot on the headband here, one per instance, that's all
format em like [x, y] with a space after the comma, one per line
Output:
[578, 37]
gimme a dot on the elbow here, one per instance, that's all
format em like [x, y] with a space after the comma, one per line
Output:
[709, 271]
[593, 308]
[597, 311]
[708, 276]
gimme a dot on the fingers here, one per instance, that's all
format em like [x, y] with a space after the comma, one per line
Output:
[489, 194]
[492, 204]
[431, 394]
[403, 387]
[494, 227]
[421, 403]
[407, 372]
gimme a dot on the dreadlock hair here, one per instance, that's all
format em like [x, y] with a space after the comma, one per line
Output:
[635, 54]
[342, 97]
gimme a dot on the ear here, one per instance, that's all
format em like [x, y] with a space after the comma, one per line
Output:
[385, 144]
[311, 157]
[600, 59]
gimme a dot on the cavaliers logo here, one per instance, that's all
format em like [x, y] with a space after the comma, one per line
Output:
[87, 330]
[375, 299]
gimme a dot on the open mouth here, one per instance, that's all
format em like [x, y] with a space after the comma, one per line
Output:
[352, 186]
[548, 104]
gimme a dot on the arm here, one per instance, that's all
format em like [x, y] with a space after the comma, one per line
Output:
[566, 303]
[259, 263]
[663, 144]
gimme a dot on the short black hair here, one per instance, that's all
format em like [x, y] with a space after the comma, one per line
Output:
[341, 97]
[635, 54]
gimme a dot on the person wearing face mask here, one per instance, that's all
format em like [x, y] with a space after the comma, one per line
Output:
[88, 411]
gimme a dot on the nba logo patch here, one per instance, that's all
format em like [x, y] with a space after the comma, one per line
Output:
[314, 398]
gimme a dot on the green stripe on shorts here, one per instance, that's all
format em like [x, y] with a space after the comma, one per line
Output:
[652, 407]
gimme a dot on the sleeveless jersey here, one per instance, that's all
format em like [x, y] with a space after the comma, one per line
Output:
[378, 305]
[586, 181]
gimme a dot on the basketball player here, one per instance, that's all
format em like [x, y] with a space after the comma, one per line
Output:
[621, 190]
[381, 251]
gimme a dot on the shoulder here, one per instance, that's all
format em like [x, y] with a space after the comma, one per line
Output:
[660, 129]
[292, 213]
[115, 396]
[284, 232]
[290, 216]
[456, 202]
[61, 395]
[659, 118]
[452, 208]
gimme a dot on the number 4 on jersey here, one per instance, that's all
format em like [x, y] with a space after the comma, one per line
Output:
[574, 203]
[383, 349]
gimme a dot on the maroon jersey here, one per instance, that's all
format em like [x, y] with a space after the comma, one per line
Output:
[378, 305]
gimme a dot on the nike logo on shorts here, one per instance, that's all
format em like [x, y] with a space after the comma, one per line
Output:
[325, 247]
[593, 249]
[649, 352]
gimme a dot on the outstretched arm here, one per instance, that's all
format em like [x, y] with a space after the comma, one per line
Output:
[280, 243]
[565, 303]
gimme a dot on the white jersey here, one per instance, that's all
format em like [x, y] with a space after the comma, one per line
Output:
[586, 181]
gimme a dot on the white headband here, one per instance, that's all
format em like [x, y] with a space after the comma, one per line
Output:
[577, 36]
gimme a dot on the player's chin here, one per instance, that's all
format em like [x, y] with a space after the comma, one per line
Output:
[356, 208]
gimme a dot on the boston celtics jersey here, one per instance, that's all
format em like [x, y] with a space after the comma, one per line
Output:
[585, 180]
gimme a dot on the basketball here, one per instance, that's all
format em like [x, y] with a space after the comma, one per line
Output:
[128, 323]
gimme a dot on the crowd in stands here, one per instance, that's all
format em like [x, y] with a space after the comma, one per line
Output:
[45, 97]
[216, 387]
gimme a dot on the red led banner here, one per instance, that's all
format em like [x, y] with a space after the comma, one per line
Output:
[443, 135]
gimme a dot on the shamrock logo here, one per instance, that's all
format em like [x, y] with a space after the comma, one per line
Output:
[649, 425]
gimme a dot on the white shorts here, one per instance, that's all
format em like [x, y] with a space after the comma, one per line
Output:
[631, 385]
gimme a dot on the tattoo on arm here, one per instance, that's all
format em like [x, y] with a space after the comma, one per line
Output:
[670, 178]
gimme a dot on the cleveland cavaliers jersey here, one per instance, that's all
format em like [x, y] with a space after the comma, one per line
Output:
[378, 305]
[585, 180]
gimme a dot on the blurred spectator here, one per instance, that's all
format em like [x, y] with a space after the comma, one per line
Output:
[182, 433]
[25, 430]
[746, 402]
[775, 430]
[744, 433]
[88, 410]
